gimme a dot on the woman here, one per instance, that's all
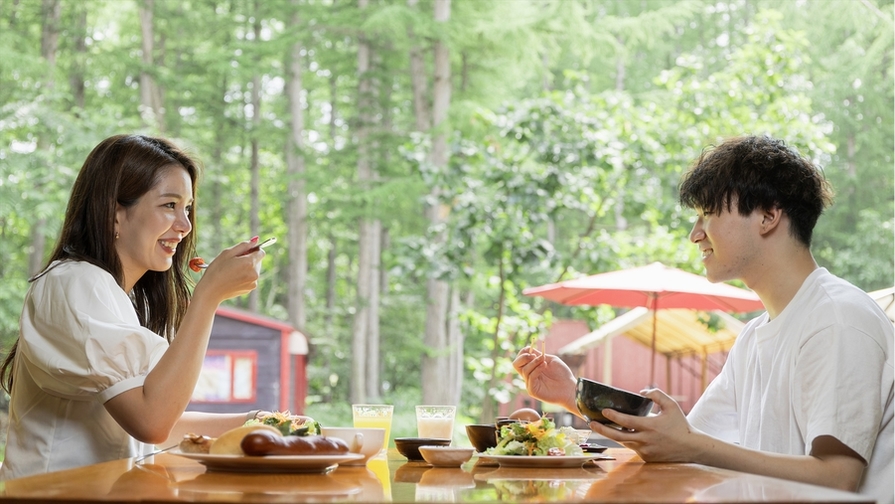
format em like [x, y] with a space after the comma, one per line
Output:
[96, 373]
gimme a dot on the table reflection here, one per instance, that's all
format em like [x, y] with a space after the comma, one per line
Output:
[513, 484]
[170, 478]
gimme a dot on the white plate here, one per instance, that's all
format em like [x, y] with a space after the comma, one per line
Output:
[541, 461]
[270, 464]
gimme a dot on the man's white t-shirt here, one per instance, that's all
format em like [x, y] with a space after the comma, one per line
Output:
[823, 367]
[80, 344]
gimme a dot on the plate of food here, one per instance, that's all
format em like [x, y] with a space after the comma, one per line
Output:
[537, 444]
[270, 463]
[272, 445]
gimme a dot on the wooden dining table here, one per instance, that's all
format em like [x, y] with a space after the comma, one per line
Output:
[621, 476]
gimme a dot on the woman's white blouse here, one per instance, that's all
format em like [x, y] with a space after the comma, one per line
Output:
[80, 345]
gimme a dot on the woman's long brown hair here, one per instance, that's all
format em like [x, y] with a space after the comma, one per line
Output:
[120, 170]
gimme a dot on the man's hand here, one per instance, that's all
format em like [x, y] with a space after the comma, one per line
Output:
[668, 437]
[547, 378]
[663, 437]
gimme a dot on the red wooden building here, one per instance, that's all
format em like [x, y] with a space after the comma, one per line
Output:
[252, 362]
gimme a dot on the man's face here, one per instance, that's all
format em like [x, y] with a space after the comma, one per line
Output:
[727, 241]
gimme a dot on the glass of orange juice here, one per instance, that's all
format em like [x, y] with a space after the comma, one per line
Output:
[376, 416]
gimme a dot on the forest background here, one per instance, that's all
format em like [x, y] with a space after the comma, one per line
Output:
[423, 161]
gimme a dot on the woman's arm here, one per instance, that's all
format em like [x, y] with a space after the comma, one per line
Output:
[204, 424]
[149, 413]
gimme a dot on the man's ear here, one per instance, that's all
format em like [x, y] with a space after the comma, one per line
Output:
[770, 219]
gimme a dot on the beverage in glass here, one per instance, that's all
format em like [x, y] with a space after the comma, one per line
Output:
[435, 421]
[376, 416]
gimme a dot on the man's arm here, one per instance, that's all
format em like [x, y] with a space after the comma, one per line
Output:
[668, 437]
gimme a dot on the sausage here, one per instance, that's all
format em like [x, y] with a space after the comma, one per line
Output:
[262, 443]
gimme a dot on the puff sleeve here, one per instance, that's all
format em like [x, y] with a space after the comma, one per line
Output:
[81, 338]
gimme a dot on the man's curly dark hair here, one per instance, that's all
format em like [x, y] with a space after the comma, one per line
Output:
[758, 172]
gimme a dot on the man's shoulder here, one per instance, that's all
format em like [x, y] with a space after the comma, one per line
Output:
[826, 300]
[833, 291]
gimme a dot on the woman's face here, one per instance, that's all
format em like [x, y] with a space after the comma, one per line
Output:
[150, 230]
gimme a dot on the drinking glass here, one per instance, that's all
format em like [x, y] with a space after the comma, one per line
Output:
[376, 416]
[435, 421]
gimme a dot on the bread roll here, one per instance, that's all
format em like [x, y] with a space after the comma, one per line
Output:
[229, 442]
[194, 443]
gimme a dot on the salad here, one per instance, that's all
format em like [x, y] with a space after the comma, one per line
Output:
[288, 424]
[540, 438]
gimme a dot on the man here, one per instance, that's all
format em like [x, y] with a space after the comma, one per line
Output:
[806, 392]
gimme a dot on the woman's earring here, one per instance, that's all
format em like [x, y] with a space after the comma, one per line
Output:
[116, 235]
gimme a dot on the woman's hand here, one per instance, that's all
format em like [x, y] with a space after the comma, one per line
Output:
[547, 378]
[232, 273]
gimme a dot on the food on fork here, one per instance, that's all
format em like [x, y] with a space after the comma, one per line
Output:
[197, 264]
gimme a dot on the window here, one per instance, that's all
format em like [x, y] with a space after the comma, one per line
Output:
[227, 376]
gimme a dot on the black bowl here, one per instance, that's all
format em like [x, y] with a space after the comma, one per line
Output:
[592, 397]
[482, 436]
[410, 446]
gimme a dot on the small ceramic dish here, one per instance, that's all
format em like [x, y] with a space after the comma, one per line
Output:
[410, 447]
[446, 456]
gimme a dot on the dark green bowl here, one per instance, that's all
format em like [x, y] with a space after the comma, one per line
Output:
[592, 397]
[482, 436]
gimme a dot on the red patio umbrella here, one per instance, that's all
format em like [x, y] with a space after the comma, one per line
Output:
[655, 287]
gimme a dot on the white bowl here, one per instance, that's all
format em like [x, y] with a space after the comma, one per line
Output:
[366, 441]
[446, 456]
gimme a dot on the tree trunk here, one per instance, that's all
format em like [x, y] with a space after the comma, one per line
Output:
[435, 363]
[151, 108]
[418, 79]
[456, 341]
[49, 43]
[297, 220]
[76, 77]
[488, 407]
[214, 204]
[360, 330]
[374, 389]
[620, 71]
[330, 288]
[384, 242]
[255, 189]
